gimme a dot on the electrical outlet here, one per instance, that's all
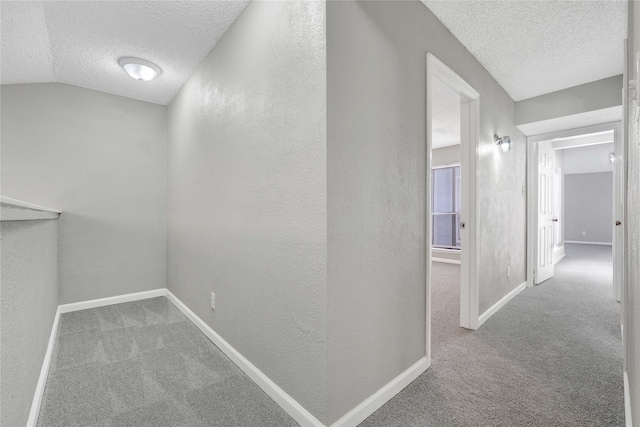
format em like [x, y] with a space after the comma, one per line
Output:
[213, 301]
[508, 271]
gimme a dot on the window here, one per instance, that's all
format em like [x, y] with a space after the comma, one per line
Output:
[446, 207]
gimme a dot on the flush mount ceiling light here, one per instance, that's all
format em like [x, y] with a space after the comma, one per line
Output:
[140, 69]
[503, 143]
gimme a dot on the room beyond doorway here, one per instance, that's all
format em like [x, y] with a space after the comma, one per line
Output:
[587, 151]
[459, 218]
[446, 206]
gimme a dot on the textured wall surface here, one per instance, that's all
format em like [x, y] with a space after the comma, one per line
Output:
[632, 297]
[605, 93]
[632, 305]
[100, 159]
[247, 194]
[588, 207]
[28, 303]
[376, 55]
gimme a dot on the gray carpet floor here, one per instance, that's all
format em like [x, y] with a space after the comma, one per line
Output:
[551, 357]
[145, 364]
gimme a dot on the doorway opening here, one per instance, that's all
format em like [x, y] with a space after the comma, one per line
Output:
[446, 208]
[451, 244]
[575, 202]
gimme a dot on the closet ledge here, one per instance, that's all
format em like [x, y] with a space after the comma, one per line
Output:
[18, 210]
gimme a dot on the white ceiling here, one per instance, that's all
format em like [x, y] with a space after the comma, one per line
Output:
[537, 47]
[79, 42]
[445, 120]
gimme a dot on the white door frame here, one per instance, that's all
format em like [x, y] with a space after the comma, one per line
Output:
[532, 187]
[623, 189]
[446, 79]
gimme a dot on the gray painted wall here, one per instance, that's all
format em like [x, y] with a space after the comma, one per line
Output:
[29, 289]
[632, 297]
[376, 173]
[445, 155]
[100, 159]
[588, 159]
[588, 207]
[247, 194]
[605, 93]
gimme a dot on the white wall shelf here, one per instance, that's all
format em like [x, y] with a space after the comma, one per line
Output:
[18, 210]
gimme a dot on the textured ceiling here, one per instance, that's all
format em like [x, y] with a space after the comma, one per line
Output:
[445, 120]
[537, 47]
[79, 42]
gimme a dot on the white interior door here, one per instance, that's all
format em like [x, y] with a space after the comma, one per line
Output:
[619, 182]
[544, 239]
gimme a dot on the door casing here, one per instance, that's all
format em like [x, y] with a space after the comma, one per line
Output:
[618, 202]
[438, 74]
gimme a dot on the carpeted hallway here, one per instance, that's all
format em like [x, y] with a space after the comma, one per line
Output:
[551, 357]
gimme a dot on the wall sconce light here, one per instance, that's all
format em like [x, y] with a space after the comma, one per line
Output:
[503, 143]
[612, 157]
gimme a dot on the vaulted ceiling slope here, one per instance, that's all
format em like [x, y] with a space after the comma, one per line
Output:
[536, 47]
[80, 42]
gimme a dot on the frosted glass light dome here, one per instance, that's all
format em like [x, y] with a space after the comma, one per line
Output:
[140, 69]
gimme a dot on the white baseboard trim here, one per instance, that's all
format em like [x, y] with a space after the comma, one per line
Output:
[446, 260]
[293, 408]
[67, 308]
[588, 243]
[290, 405]
[558, 258]
[44, 373]
[503, 301]
[83, 305]
[558, 254]
[382, 396]
[627, 401]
